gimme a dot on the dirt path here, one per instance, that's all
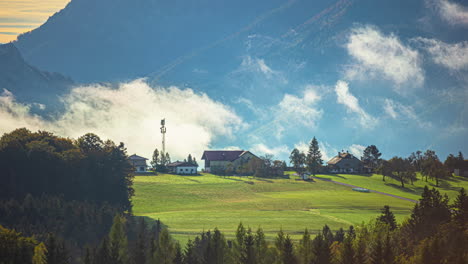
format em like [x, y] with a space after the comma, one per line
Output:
[353, 186]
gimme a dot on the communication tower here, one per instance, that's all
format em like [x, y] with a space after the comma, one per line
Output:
[163, 132]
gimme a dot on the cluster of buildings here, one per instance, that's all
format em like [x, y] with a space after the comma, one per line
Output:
[344, 162]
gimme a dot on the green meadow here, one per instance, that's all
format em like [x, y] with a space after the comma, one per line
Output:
[191, 204]
[450, 186]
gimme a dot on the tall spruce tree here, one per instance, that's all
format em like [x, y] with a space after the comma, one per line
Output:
[314, 157]
[118, 243]
[387, 217]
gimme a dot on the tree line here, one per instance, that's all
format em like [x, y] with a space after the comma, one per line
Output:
[436, 232]
[86, 169]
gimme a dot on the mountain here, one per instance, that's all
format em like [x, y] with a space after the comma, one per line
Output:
[111, 40]
[28, 83]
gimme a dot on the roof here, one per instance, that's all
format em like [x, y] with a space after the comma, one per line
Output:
[340, 157]
[221, 155]
[181, 164]
[136, 157]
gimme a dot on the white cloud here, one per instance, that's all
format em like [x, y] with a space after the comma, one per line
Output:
[453, 13]
[357, 150]
[389, 108]
[347, 99]
[451, 56]
[131, 114]
[257, 65]
[277, 152]
[398, 111]
[383, 57]
[300, 109]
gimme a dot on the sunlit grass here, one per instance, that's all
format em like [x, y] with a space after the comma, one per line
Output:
[191, 204]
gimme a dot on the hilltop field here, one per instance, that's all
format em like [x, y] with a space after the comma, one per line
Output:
[191, 204]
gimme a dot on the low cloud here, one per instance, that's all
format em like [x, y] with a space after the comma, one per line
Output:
[452, 56]
[277, 152]
[301, 109]
[357, 150]
[383, 56]
[400, 112]
[453, 13]
[131, 113]
[351, 103]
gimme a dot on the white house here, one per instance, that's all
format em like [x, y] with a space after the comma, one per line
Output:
[179, 167]
[139, 163]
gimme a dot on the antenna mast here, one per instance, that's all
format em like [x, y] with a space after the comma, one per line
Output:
[163, 132]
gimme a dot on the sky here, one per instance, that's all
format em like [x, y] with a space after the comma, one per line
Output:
[19, 16]
[393, 74]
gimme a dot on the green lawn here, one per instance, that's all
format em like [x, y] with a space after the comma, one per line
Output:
[190, 204]
[374, 182]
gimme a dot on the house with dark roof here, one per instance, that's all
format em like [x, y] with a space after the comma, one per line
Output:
[461, 169]
[138, 163]
[183, 168]
[220, 160]
[345, 162]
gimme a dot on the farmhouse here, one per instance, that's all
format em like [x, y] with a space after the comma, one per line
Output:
[462, 169]
[138, 163]
[345, 162]
[222, 159]
[179, 167]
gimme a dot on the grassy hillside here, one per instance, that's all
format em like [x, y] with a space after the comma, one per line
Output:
[450, 186]
[189, 204]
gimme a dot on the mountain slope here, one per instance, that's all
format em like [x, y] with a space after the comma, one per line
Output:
[120, 39]
[26, 82]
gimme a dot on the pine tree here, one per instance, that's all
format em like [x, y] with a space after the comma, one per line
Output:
[118, 243]
[165, 252]
[248, 251]
[387, 217]
[39, 256]
[460, 208]
[305, 248]
[102, 255]
[239, 242]
[189, 158]
[139, 255]
[288, 251]
[347, 255]
[189, 256]
[261, 247]
[178, 254]
[314, 157]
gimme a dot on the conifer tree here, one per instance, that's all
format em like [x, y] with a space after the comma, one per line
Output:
[314, 157]
[39, 256]
[118, 243]
[165, 252]
[178, 254]
[139, 255]
[387, 217]
[261, 247]
[248, 252]
[305, 248]
[288, 251]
